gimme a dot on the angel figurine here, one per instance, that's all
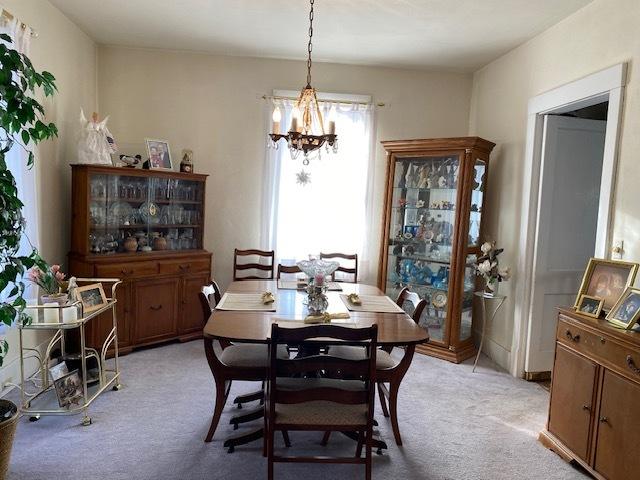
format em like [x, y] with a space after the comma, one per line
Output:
[95, 142]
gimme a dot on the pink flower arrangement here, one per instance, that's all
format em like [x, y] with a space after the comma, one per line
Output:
[50, 281]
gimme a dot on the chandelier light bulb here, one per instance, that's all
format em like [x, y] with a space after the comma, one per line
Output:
[276, 117]
[331, 129]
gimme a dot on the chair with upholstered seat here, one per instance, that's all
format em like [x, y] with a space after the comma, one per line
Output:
[258, 267]
[321, 400]
[388, 369]
[228, 362]
[344, 270]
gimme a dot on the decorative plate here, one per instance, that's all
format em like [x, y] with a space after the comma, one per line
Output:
[149, 212]
[439, 299]
[119, 213]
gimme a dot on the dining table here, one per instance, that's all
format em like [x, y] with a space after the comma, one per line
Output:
[289, 309]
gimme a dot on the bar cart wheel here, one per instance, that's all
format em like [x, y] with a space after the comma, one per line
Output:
[86, 421]
[34, 418]
[117, 387]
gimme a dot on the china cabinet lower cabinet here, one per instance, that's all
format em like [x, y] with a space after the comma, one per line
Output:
[432, 232]
[594, 417]
[144, 227]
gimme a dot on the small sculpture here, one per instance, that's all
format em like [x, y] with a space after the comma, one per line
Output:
[95, 144]
[424, 177]
[186, 165]
[130, 161]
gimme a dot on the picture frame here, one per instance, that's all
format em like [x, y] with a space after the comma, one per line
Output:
[91, 296]
[607, 279]
[69, 389]
[626, 312]
[159, 154]
[590, 306]
[58, 371]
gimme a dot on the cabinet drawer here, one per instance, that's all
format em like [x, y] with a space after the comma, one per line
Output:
[604, 349]
[127, 270]
[185, 266]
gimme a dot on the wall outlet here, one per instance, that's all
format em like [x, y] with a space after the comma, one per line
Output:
[617, 250]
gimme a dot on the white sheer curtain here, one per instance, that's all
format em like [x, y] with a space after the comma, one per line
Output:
[16, 158]
[332, 213]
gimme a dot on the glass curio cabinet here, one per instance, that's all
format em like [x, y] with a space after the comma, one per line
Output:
[432, 234]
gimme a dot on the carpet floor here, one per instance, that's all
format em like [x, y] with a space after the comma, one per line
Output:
[456, 425]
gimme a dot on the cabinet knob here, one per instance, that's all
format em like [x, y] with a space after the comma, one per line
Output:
[632, 365]
[126, 272]
[586, 407]
[602, 340]
[184, 267]
[155, 307]
[573, 338]
[604, 420]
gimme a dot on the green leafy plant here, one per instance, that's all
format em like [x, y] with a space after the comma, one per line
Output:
[21, 123]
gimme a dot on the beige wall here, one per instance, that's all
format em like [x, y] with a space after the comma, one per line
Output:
[70, 55]
[212, 105]
[600, 35]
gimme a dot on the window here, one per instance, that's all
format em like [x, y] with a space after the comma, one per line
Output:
[331, 213]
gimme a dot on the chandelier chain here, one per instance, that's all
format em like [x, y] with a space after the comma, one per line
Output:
[310, 45]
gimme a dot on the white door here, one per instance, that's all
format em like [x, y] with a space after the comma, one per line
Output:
[571, 173]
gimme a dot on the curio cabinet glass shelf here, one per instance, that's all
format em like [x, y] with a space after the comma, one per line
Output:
[432, 231]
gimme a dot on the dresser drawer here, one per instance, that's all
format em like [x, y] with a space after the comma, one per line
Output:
[127, 270]
[186, 266]
[603, 348]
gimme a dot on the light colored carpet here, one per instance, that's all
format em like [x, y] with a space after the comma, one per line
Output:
[456, 425]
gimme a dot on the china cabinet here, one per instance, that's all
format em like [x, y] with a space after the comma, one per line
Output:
[146, 228]
[593, 413]
[432, 233]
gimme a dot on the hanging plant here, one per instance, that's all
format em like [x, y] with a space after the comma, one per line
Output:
[21, 123]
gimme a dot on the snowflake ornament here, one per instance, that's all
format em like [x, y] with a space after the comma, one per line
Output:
[303, 178]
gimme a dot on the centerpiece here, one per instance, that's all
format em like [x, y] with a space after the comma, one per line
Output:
[318, 272]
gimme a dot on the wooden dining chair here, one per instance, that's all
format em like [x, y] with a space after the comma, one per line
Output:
[229, 362]
[325, 401]
[389, 370]
[343, 269]
[287, 269]
[258, 267]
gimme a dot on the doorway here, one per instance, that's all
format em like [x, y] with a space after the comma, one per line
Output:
[566, 211]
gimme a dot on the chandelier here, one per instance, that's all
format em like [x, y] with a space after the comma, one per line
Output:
[307, 131]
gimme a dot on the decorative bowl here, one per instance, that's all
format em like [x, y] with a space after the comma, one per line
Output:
[313, 268]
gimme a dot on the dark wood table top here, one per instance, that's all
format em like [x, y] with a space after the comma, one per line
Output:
[255, 327]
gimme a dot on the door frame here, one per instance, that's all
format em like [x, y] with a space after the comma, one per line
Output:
[605, 85]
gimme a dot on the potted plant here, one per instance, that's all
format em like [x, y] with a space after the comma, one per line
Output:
[21, 124]
[51, 282]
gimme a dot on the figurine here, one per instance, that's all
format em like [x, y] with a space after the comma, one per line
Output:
[411, 178]
[129, 161]
[423, 178]
[96, 144]
[186, 165]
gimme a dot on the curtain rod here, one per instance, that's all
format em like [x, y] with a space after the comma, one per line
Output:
[9, 16]
[328, 100]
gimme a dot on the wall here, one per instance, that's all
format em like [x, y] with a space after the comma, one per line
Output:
[602, 34]
[70, 55]
[213, 105]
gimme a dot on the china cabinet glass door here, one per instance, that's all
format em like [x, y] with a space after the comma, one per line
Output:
[422, 222]
[131, 213]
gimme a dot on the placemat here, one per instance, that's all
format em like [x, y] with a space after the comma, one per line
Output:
[245, 302]
[373, 303]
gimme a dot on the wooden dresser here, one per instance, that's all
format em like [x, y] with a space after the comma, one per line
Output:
[118, 211]
[594, 413]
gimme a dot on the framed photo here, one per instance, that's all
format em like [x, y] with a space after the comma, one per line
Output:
[69, 389]
[159, 154]
[91, 296]
[58, 371]
[607, 279]
[626, 312]
[590, 306]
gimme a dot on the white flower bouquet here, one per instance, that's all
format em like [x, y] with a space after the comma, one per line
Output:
[488, 267]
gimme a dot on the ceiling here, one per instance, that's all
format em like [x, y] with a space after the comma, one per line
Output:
[455, 35]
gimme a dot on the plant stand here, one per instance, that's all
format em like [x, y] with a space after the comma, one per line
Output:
[44, 400]
[487, 298]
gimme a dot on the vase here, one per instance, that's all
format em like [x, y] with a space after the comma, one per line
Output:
[59, 298]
